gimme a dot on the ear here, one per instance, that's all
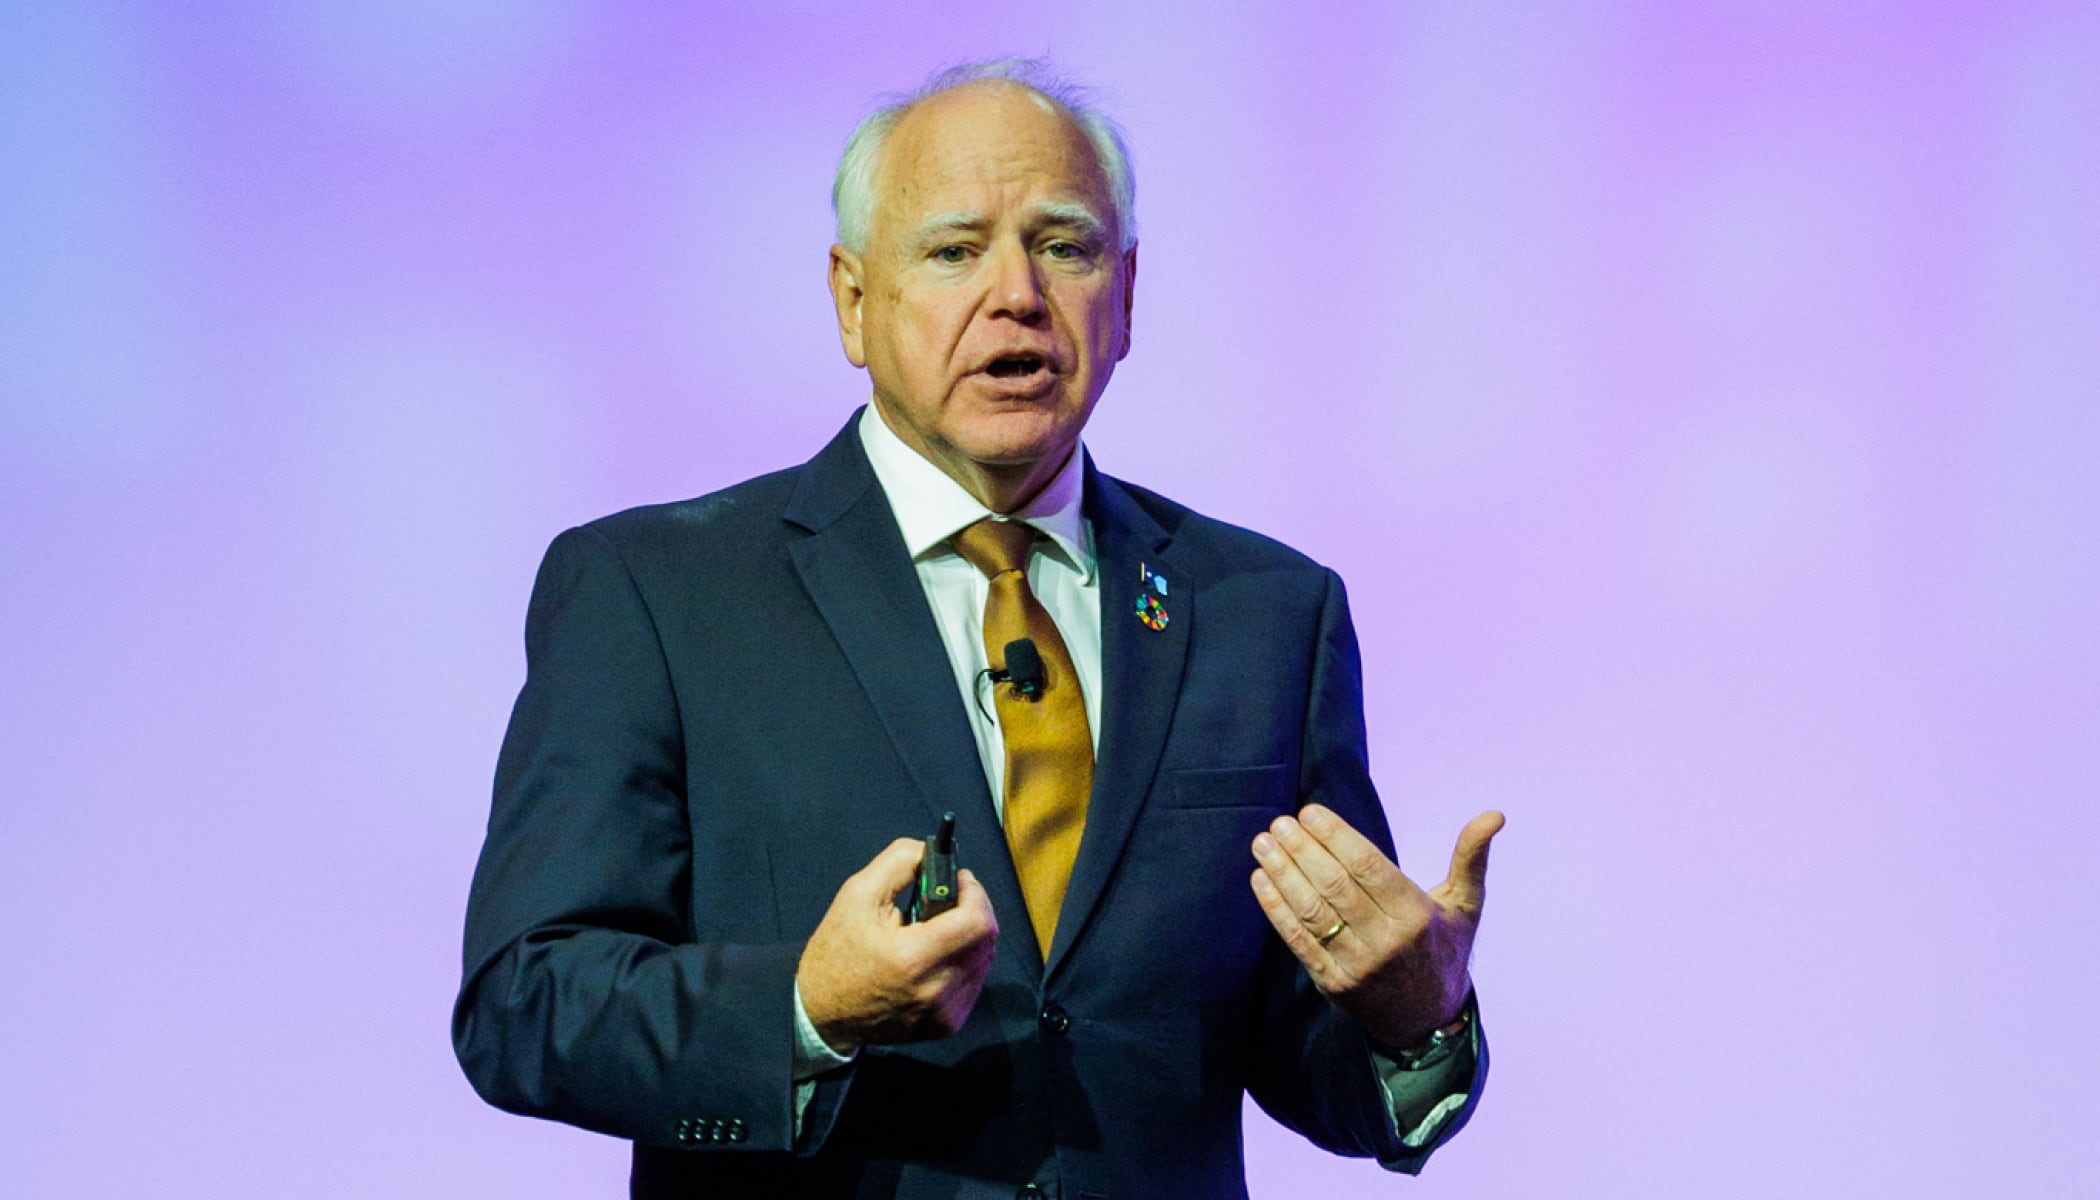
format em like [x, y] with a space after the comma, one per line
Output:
[1129, 298]
[846, 297]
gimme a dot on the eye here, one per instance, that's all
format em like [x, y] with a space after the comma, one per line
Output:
[1065, 250]
[952, 255]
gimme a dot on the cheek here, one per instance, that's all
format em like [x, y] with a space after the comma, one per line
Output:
[1106, 336]
[925, 334]
[1099, 312]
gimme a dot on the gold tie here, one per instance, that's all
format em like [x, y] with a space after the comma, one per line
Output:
[1049, 751]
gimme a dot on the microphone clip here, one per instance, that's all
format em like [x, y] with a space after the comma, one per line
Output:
[1023, 670]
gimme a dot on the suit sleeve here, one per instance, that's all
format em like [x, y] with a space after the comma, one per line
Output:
[1317, 1073]
[584, 997]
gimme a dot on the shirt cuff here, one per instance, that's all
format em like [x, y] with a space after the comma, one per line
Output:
[1419, 1102]
[813, 1055]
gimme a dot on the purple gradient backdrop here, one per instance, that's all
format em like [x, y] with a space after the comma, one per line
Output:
[1703, 402]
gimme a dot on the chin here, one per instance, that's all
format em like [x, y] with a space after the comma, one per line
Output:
[1009, 419]
[1016, 443]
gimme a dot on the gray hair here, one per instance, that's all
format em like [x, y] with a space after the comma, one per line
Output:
[853, 190]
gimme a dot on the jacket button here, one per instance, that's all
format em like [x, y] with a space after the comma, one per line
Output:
[737, 1132]
[1054, 1022]
[1030, 1192]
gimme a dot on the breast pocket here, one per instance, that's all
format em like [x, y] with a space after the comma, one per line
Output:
[1265, 787]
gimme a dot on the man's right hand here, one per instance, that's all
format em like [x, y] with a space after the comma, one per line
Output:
[869, 979]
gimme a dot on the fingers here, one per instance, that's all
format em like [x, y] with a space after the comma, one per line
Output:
[1284, 919]
[1380, 877]
[962, 942]
[972, 898]
[887, 873]
[971, 924]
[1316, 885]
[1281, 876]
[1467, 882]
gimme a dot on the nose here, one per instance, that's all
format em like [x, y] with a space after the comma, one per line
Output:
[1016, 291]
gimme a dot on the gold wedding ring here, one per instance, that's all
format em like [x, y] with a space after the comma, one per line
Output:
[1332, 930]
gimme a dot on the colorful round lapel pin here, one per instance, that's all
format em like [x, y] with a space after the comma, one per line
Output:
[1151, 612]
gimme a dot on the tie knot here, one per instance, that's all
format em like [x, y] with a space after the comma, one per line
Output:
[996, 547]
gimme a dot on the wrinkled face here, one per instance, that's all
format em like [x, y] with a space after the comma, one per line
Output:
[992, 301]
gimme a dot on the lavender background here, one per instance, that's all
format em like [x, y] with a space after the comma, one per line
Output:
[1700, 399]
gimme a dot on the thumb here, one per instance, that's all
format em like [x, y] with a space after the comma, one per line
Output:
[972, 922]
[888, 873]
[1467, 881]
[971, 894]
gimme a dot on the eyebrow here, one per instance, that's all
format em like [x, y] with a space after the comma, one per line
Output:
[1053, 212]
[948, 221]
[1065, 212]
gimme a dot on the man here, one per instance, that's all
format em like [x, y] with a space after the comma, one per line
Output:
[742, 713]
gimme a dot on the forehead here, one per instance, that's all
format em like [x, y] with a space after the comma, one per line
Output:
[981, 143]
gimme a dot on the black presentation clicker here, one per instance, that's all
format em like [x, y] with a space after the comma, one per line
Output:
[935, 893]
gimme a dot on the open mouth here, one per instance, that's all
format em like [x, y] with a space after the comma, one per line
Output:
[1016, 366]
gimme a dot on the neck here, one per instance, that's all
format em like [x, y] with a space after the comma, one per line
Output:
[1005, 489]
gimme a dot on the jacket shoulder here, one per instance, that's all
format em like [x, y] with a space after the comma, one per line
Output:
[718, 527]
[753, 503]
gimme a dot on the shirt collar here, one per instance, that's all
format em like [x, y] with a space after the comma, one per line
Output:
[931, 507]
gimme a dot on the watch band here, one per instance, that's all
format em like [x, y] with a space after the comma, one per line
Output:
[1440, 1045]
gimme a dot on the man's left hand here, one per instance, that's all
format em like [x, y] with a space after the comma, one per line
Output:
[1388, 954]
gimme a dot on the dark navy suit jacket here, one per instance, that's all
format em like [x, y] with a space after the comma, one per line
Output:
[734, 702]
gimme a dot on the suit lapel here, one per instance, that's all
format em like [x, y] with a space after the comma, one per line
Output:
[1141, 672]
[855, 567]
